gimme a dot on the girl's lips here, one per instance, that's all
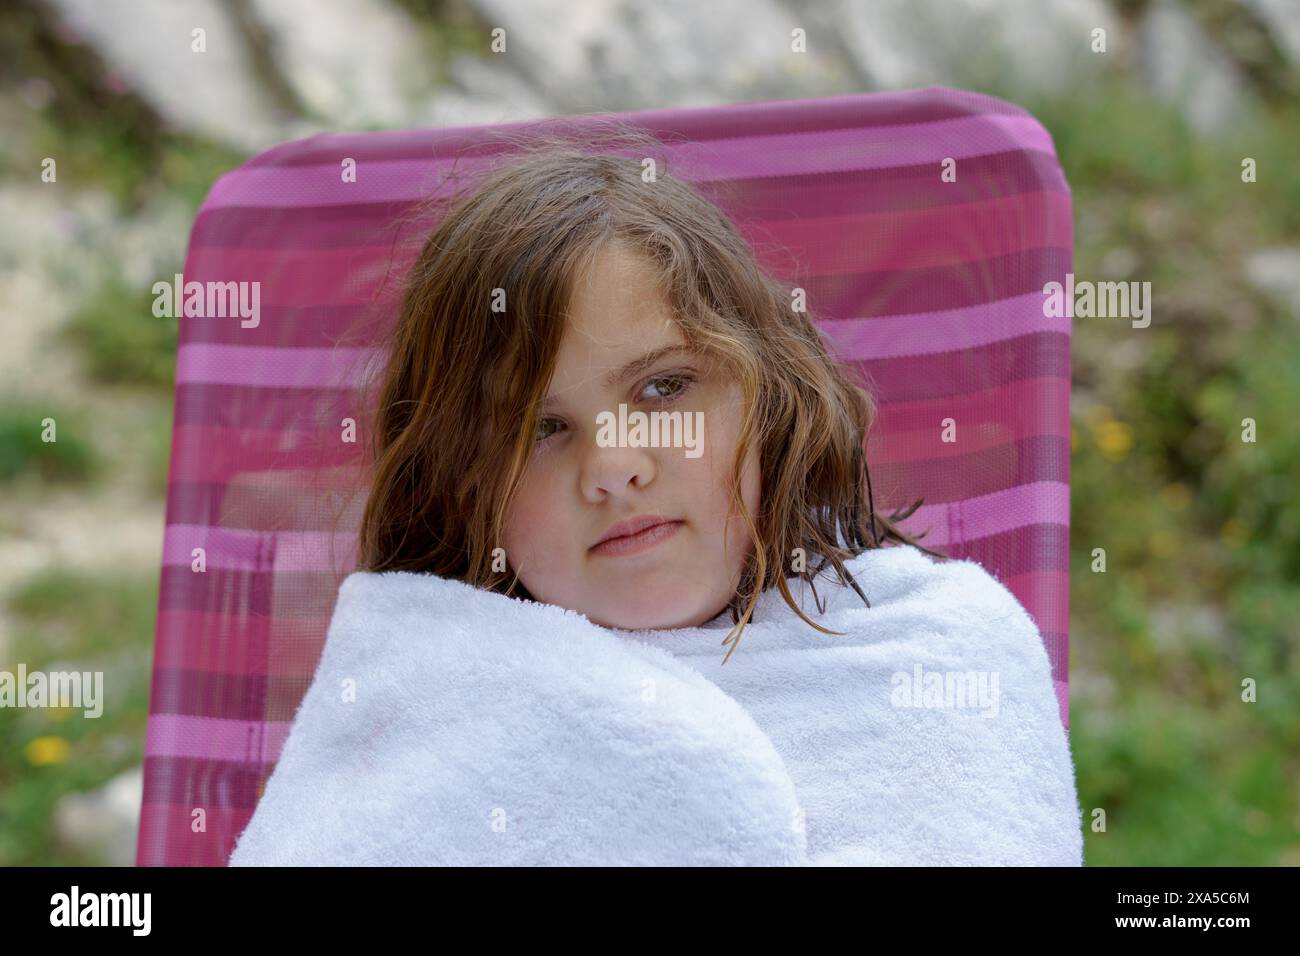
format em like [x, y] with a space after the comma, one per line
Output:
[636, 543]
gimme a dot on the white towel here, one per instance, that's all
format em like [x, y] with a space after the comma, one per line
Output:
[451, 725]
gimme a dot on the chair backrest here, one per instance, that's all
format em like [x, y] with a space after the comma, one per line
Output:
[922, 224]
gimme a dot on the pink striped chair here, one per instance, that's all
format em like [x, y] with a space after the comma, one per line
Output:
[932, 288]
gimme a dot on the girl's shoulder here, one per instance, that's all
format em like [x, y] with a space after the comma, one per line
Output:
[904, 572]
[956, 600]
[883, 575]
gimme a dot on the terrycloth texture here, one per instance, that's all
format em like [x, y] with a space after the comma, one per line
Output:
[492, 731]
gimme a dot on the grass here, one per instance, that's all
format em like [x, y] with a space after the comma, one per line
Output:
[85, 622]
[123, 342]
[1188, 513]
[45, 441]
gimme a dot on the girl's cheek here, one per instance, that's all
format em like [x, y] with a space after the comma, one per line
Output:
[528, 513]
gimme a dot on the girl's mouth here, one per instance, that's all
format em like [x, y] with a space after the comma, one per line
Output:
[643, 540]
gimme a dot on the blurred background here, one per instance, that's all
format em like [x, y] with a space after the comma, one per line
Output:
[1201, 529]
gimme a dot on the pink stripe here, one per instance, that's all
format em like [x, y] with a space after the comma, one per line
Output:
[915, 239]
[232, 548]
[910, 431]
[840, 111]
[271, 367]
[218, 453]
[922, 333]
[167, 837]
[893, 241]
[238, 549]
[905, 431]
[222, 430]
[1020, 409]
[928, 333]
[1039, 502]
[900, 240]
[218, 642]
[782, 154]
[362, 276]
[214, 738]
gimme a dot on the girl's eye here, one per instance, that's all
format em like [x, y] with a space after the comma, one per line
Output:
[678, 384]
[674, 386]
[541, 434]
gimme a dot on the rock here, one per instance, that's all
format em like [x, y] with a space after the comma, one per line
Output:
[1182, 66]
[1277, 272]
[104, 821]
[334, 75]
[1283, 20]
[1024, 45]
[585, 56]
[214, 93]
[355, 64]
[483, 93]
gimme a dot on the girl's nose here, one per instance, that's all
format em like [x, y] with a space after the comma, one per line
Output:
[615, 471]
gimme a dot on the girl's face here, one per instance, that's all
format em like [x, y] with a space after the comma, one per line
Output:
[576, 488]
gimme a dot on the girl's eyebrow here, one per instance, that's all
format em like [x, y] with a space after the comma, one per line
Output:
[632, 368]
[641, 364]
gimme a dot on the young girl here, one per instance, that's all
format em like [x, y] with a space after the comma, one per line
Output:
[527, 668]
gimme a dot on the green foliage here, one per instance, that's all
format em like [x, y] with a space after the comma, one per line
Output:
[1189, 514]
[124, 343]
[84, 622]
[71, 457]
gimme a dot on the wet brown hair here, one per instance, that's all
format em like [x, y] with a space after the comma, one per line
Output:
[463, 385]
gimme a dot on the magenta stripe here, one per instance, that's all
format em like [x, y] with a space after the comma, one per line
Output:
[1039, 502]
[928, 333]
[921, 333]
[240, 549]
[722, 122]
[752, 157]
[234, 548]
[238, 741]
[842, 243]
[271, 367]
[897, 190]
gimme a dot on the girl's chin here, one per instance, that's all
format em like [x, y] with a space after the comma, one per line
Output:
[642, 619]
